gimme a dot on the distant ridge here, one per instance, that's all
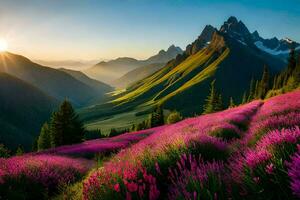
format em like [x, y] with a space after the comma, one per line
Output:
[109, 71]
[53, 82]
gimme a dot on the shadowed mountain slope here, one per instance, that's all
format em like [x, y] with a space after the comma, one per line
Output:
[23, 110]
[53, 82]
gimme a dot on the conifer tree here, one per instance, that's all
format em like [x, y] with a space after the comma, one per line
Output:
[218, 106]
[264, 83]
[19, 151]
[65, 126]
[44, 139]
[251, 90]
[231, 103]
[297, 71]
[256, 88]
[214, 101]
[157, 117]
[244, 99]
[291, 62]
[210, 100]
[4, 151]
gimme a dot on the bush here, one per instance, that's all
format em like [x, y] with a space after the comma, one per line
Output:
[4, 152]
[174, 117]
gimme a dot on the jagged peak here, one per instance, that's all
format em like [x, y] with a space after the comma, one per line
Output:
[232, 25]
[232, 20]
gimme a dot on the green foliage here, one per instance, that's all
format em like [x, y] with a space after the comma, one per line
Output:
[263, 85]
[44, 140]
[251, 90]
[174, 117]
[19, 151]
[226, 134]
[231, 103]
[157, 117]
[4, 152]
[289, 79]
[65, 126]
[244, 100]
[142, 126]
[214, 101]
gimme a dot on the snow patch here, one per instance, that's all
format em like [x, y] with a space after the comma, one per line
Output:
[275, 52]
[242, 42]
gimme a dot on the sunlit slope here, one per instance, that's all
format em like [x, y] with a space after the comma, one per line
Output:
[184, 86]
[169, 81]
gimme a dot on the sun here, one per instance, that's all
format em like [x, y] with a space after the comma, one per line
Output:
[3, 45]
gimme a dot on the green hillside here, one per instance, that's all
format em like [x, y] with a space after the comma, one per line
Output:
[23, 109]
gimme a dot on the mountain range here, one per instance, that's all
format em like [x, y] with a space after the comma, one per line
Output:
[274, 46]
[110, 71]
[229, 55]
[55, 83]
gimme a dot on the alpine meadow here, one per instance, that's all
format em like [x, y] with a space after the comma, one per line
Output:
[149, 100]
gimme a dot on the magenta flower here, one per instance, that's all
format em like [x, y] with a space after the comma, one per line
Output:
[294, 173]
[117, 187]
[270, 168]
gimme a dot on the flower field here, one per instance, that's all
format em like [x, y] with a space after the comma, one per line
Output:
[33, 175]
[246, 152]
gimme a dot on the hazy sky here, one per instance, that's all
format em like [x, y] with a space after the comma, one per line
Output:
[95, 29]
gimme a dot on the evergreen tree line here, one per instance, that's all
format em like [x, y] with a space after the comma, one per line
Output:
[213, 102]
[63, 128]
[287, 80]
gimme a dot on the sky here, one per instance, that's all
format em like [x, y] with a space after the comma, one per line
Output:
[107, 29]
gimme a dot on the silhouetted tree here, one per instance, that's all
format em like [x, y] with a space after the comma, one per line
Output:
[65, 126]
[4, 152]
[263, 86]
[214, 100]
[19, 151]
[44, 140]
[157, 117]
[231, 103]
[244, 99]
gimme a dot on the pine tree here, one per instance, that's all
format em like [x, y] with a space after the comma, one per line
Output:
[4, 151]
[297, 71]
[251, 91]
[274, 87]
[44, 140]
[157, 117]
[19, 151]
[264, 84]
[291, 62]
[218, 106]
[211, 99]
[256, 88]
[65, 126]
[244, 100]
[231, 103]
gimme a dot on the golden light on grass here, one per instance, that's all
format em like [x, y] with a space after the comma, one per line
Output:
[3, 45]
